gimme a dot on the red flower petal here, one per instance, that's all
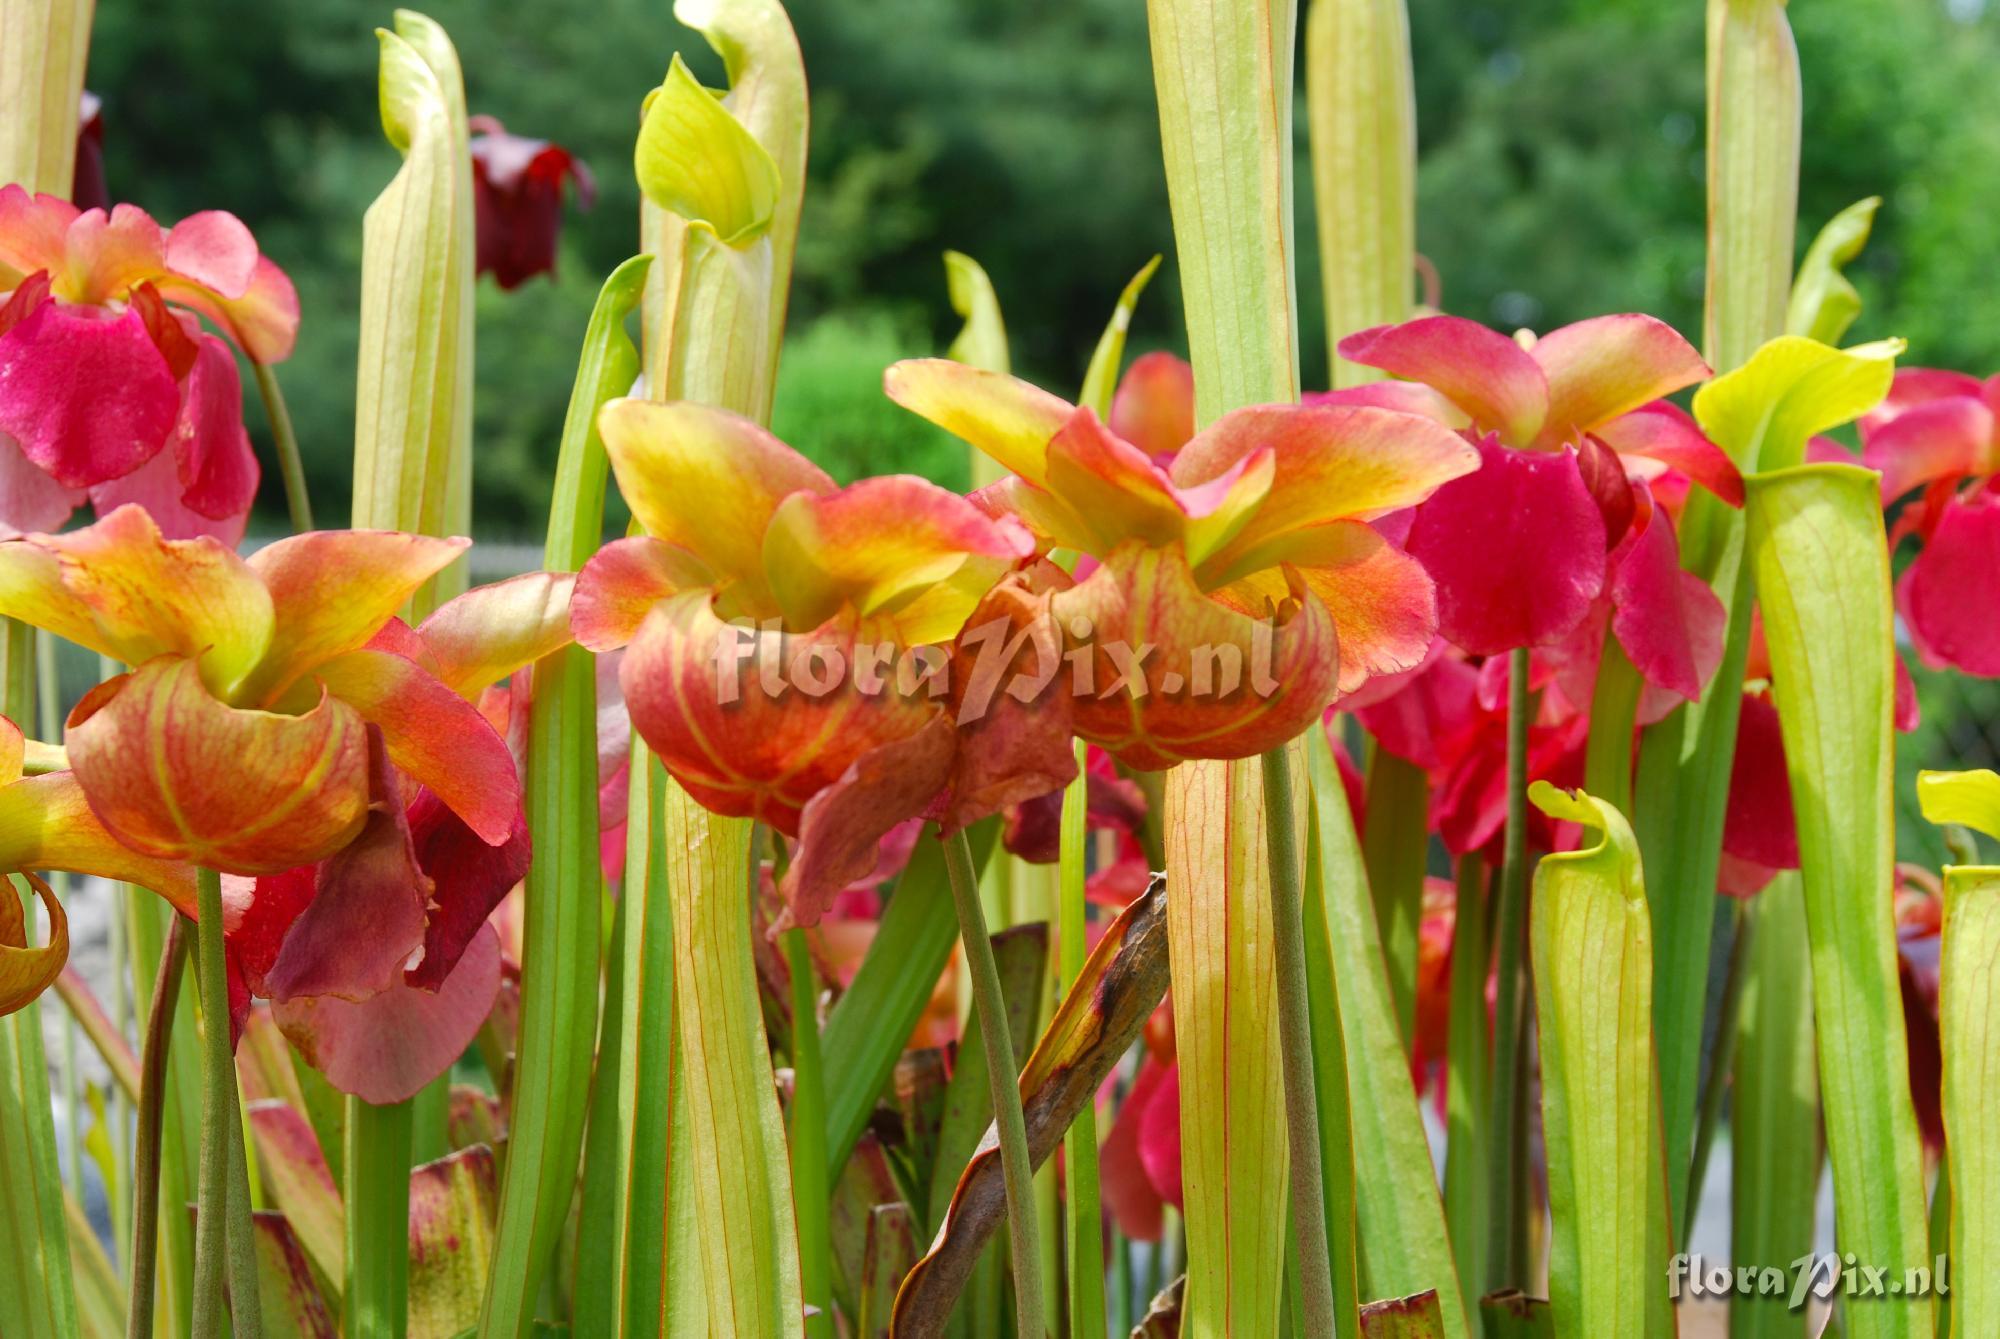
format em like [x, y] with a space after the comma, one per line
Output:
[1759, 825]
[1129, 1193]
[1669, 621]
[1664, 432]
[1516, 549]
[1947, 438]
[468, 878]
[1428, 715]
[1948, 594]
[386, 1047]
[85, 392]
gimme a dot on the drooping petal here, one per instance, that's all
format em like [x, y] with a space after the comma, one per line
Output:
[490, 631]
[704, 480]
[365, 919]
[1946, 438]
[1516, 550]
[156, 486]
[1948, 595]
[1129, 1193]
[1607, 366]
[1669, 621]
[1153, 407]
[28, 969]
[29, 499]
[1160, 1138]
[896, 547]
[385, 1048]
[433, 734]
[841, 828]
[211, 449]
[332, 591]
[622, 582]
[85, 392]
[468, 877]
[150, 596]
[177, 775]
[1665, 432]
[1432, 711]
[1912, 386]
[1173, 674]
[1758, 825]
[1003, 416]
[754, 724]
[1014, 743]
[1481, 371]
[517, 193]
[1335, 462]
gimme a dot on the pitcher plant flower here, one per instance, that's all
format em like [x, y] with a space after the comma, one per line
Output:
[109, 385]
[239, 740]
[1519, 549]
[1253, 551]
[517, 200]
[1939, 432]
[379, 960]
[772, 624]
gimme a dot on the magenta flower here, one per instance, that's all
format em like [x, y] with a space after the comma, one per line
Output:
[517, 195]
[1940, 432]
[1570, 431]
[104, 364]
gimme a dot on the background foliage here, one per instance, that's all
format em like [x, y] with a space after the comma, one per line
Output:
[1561, 177]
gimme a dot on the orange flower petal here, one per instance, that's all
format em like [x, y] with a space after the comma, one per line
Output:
[704, 480]
[47, 823]
[622, 582]
[13, 752]
[735, 713]
[1383, 604]
[178, 775]
[1153, 407]
[490, 631]
[898, 547]
[27, 970]
[148, 596]
[1607, 366]
[1484, 373]
[332, 591]
[1003, 416]
[1113, 486]
[433, 734]
[1333, 462]
[1225, 686]
[32, 590]
[1052, 521]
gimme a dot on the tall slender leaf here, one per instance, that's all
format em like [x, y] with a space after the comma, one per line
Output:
[1361, 107]
[1822, 575]
[1404, 1246]
[43, 46]
[1593, 963]
[1775, 1147]
[559, 971]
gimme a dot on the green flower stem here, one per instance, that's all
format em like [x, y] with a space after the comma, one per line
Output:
[810, 1190]
[1614, 712]
[218, 1251]
[146, 1144]
[286, 443]
[1083, 1230]
[377, 1194]
[1507, 1246]
[1004, 1076]
[1295, 1041]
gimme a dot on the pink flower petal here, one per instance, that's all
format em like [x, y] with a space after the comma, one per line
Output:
[1135, 1205]
[32, 228]
[215, 250]
[1160, 1138]
[210, 445]
[1913, 386]
[1608, 366]
[1665, 432]
[156, 486]
[1481, 371]
[1948, 594]
[1946, 438]
[1516, 550]
[468, 879]
[1408, 397]
[30, 500]
[386, 1047]
[85, 392]
[1437, 706]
